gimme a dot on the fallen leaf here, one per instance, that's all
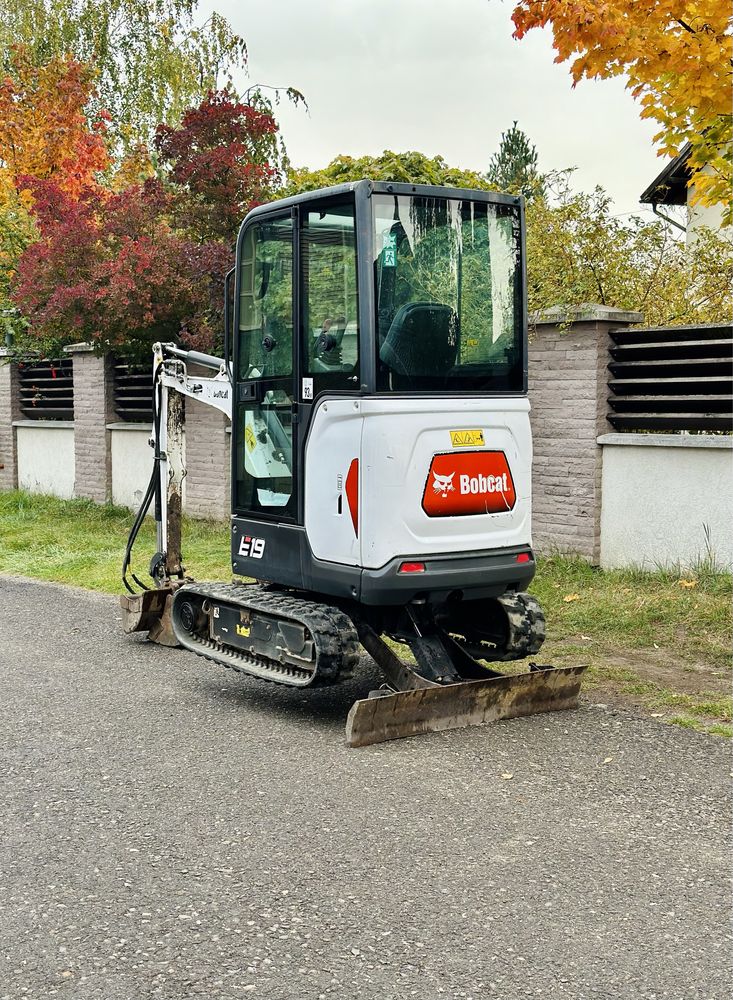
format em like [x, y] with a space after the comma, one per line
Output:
[588, 638]
[506, 776]
[687, 584]
[571, 597]
[607, 760]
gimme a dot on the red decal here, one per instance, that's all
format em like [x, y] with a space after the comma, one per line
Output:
[352, 493]
[471, 482]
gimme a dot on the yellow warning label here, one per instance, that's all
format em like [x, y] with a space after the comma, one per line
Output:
[249, 438]
[466, 439]
[243, 630]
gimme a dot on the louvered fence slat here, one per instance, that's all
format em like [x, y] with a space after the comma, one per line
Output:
[46, 389]
[672, 379]
[133, 392]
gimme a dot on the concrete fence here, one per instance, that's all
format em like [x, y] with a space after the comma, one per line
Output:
[625, 499]
[619, 499]
[100, 458]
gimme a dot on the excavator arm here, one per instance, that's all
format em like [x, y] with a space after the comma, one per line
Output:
[147, 608]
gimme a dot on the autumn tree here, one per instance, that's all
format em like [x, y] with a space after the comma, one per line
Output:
[513, 167]
[44, 134]
[123, 269]
[676, 55]
[44, 130]
[107, 269]
[224, 158]
[151, 60]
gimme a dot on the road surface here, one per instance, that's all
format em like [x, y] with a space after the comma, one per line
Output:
[172, 830]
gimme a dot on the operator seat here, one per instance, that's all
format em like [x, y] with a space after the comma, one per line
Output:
[422, 340]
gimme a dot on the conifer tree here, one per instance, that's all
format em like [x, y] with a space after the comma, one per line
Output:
[513, 167]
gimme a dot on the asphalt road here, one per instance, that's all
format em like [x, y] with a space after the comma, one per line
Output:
[172, 830]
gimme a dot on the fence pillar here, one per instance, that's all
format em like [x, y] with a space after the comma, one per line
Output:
[568, 358]
[207, 460]
[9, 411]
[93, 410]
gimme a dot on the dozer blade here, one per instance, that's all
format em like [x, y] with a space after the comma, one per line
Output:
[150, 612]
[454, 706]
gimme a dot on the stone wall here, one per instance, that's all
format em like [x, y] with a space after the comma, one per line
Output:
[568, 393]
[9, 413]
[109, 461]
[93, 410]
[568, 388]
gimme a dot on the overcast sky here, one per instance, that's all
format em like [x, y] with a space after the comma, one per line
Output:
[442, 78]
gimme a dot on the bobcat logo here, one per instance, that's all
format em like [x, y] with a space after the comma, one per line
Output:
[443, 484]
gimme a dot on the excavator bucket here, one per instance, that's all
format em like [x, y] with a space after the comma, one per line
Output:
[469, 703]
[150, 612]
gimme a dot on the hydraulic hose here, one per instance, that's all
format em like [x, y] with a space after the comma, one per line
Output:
[152, 492]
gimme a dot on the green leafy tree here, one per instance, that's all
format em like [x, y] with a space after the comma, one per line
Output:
[513, 167]
[579, 251]
[151, 57]
[409, 167]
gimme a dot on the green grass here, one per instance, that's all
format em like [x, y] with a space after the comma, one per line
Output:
[82, 543]
[649, 640]
[639, 609]
[711, 728]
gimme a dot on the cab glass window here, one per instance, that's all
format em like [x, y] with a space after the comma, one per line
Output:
[329, 296]
[266, 300]
[448, 284]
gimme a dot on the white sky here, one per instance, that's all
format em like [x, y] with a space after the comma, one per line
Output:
[442, 78]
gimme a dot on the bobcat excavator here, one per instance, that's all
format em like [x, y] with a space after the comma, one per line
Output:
[375, 373]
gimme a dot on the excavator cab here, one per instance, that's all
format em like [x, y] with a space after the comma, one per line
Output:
[379, 348]
[375, 372]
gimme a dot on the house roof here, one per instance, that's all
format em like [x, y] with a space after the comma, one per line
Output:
[670, 186]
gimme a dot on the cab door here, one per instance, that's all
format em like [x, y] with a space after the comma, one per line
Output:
[264, 448]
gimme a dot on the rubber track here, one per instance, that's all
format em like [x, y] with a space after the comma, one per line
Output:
[333, 634]
[526, 626]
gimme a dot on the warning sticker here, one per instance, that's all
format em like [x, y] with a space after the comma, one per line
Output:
[467, 439]
[249, 438]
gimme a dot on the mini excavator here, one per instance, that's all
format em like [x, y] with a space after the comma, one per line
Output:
[375, 374]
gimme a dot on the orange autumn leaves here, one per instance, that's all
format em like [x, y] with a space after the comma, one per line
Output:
[677, 57]
[44, 131]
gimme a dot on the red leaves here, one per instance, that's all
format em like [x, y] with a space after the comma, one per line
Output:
[148, 262]
[221, 164]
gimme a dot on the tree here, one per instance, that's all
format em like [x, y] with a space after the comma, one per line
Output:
[107, 269]
[677, 57]
[125, 268]
[578, 252]
[222, 160]
[152, 60]
[44, 134]
[44, 130]
[513, 167]
[410, 167]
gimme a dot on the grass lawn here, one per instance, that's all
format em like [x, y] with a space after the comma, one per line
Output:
[658, 642]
